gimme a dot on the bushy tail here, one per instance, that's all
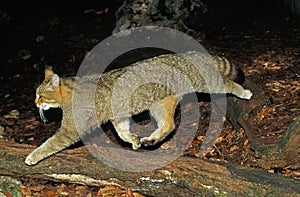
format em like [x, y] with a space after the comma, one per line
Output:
[226, 68]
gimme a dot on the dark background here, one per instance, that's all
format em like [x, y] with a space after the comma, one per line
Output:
[67, 27]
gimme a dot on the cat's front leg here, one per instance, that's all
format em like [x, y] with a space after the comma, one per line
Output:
[59, 141]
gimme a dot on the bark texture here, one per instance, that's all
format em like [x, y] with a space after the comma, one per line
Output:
[164, 13]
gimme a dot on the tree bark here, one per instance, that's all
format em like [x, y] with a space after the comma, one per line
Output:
[163, 13]
[184, 177]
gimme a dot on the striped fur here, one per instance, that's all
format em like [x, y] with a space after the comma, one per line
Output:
[159, 99]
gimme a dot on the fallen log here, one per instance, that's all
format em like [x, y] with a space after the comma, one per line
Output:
[185, 176]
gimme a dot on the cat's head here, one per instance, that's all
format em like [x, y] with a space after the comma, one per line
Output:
[48, 93]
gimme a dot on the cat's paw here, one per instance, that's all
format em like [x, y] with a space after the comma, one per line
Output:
[148, 141]
[31, 160]
[135, 141]
[247, 94]
[136, 146]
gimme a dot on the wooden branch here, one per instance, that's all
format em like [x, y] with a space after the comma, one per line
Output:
[184, 177]
[243, 114]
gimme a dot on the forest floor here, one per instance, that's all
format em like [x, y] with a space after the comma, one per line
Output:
[264, 44]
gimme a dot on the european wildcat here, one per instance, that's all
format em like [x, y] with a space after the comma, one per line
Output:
[57, 92]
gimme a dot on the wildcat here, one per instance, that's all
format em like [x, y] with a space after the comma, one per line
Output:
[161, 101]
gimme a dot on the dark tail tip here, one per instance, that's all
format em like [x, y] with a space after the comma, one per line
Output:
[240, 77]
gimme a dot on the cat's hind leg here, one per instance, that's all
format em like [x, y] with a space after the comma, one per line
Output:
[163, 112]
[122, 126]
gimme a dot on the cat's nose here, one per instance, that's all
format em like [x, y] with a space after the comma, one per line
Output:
[36, 101]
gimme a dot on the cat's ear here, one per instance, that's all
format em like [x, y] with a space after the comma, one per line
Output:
[48, 73]
[55, 81]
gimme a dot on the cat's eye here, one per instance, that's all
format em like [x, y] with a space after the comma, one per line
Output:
[39, 97]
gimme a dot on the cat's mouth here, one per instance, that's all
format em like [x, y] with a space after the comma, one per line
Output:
[46, 106]
[43, 107]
